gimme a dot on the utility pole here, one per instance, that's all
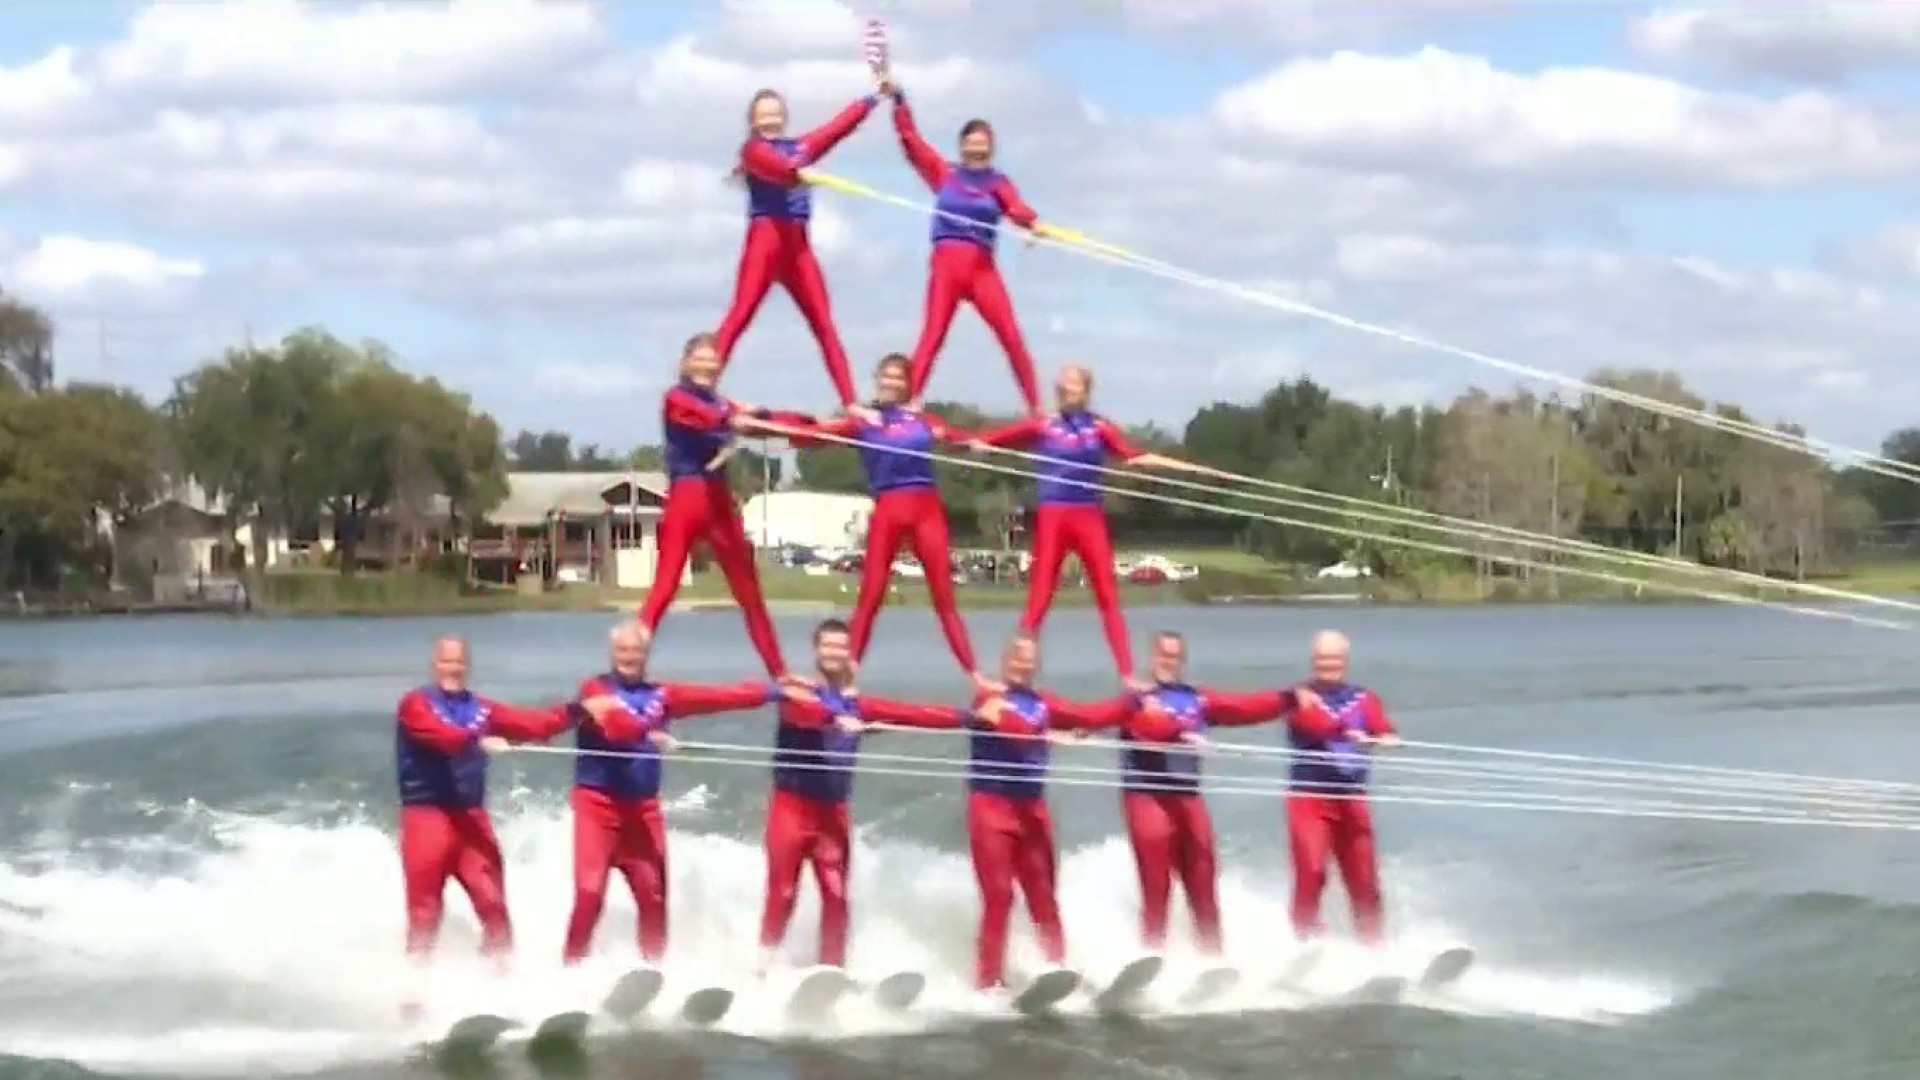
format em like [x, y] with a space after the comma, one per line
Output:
[1679, 495]
[766, 496]
[1553, 524]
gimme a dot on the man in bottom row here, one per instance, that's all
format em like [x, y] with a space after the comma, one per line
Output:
[620, 721]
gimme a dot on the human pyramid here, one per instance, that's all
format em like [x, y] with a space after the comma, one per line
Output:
[621, 719]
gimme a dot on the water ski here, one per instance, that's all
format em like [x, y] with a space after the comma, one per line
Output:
[704, 1008]
[632, 994]
[1123, 994]
[567, 1030]
[898, 992]
[1212, 983]
[1047, 990]
[815, 995]
[1445, 970]
[474, 1034]
[1379, 990]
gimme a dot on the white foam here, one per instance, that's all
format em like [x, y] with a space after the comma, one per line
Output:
[280, 948]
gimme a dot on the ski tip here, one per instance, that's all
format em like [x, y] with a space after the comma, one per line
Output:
[474, 1034]
[633, 993]
[704, 1008]
[1046, 990]
[899, 990]
[1447, 967]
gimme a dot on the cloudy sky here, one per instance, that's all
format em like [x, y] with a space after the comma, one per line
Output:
[528, 199]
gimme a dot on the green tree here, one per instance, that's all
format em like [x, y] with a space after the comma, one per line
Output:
[26, 347]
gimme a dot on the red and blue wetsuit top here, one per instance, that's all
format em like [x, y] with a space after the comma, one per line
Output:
[620, 759]
[1008, 756]
[895, 452]
[1076, 445]
[968, 202]
[1149, 765]
[1329, 758]
[814, 759]
[697, 425]
[772, 166]
[436, 747]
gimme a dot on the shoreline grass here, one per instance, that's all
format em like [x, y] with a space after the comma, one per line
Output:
[1227, 577]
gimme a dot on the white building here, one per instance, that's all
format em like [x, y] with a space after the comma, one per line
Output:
[815, 519]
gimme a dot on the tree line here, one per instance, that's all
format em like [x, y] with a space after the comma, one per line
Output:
[315, 429]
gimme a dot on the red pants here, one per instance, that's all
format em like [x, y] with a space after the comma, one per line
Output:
[915, 516]
[1341, 827]
[802, 831]
[779, 251]
[436, 844]
[1173, 834]
[1082, 529]
[623, 835]
[962, 270]
[702, 510]
[1012, 842]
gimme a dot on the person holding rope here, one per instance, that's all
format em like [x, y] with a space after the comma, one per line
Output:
[970, 198]
[700, 428]
[1074, 445]
[444, 734]
[906, 504]
[815, 750]
[1008, 827]
[1167, 820]
[1334, 731]
[617, 824]
[779, 208]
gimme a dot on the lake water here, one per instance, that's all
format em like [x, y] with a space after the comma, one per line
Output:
[198, 876]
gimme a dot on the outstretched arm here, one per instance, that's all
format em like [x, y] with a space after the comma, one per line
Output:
[820, 142]
[1088, 716]
[516, 724]
[903, 714]
[944, 432]
[1017, 435]
[926, 161]
[808, 434]
[1224, 709]
[684, 700]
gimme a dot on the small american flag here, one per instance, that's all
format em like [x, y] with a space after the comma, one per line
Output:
[873, 44]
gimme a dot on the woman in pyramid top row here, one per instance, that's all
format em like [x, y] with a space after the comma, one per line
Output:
[779, 210]
[970, 199]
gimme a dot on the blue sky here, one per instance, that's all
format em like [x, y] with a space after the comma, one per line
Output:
[432, 288]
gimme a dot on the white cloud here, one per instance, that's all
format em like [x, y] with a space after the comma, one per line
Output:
[1459, 113]
[558, 195]
[1808, 40]
[283, 49]
[65, 270]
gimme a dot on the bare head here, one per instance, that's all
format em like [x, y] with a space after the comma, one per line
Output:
[450, 664]
[1331, 651]
[1020, 661]
[767, 114]
[893, 379]
[833, 649]
[1169, 657]
[628, 645]
[976, 144]
[700, 360]
[1073, 389]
